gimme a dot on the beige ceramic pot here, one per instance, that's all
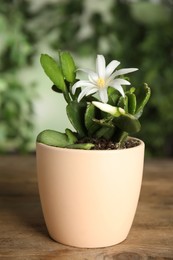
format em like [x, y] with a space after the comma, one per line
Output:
[89, 198]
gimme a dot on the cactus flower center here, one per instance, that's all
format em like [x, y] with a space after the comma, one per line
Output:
[101, 82]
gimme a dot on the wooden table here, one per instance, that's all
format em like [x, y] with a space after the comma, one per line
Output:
[23, 234]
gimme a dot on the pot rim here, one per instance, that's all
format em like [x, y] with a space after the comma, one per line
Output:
[56, 148]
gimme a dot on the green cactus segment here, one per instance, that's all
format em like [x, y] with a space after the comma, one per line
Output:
[76, 114]
[127, 123]
[131, 103]
[123, 103]
[53, 71]
[122, 137]
[90, 113]
[105, 132]
[55, 89]
[84, 146]
[105, 122]
[57, 139]
[68, 66]
[53, 138]
[71, 136]
[142, 98]
[113, 96]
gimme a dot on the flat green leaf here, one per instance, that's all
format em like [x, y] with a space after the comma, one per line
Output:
[57, 139]
[53, 71]
[127, 123]
[131, 103]
[71, 136]
[84, 146]
[105, 132]
[89, 115]
[53, 138]
[57, 90]
[123, 103]
[68, 66]
[76, 114]
[105, 122]
[142, 99]
[113, 96]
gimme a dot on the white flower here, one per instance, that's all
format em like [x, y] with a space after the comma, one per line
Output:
[100, 80]
[115, 111]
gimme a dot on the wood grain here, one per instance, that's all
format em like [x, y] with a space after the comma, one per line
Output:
[23, 234]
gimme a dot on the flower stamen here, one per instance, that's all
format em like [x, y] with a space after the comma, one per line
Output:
[101, 83]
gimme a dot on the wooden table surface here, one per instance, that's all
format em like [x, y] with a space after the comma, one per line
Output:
[23, 234]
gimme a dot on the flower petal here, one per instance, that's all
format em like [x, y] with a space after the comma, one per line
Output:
[105, 107]
[124, 71]
[88, 71]
[120, 89]
[121, 82]
[100, 66]
[81, 95]
[81, 83]
[93, 77]
[92, 91]
[86, 91]
[103, 95]
[111, 67]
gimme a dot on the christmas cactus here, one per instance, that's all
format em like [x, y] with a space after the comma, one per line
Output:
[103, 109]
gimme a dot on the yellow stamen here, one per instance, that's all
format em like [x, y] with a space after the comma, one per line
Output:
[101, 82]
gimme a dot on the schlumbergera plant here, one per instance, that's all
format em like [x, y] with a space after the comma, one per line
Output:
[103, 109]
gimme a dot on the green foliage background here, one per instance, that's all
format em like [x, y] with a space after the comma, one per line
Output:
[16, 52]
[138, 33]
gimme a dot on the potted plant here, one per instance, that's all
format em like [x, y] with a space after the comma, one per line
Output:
[90, 178]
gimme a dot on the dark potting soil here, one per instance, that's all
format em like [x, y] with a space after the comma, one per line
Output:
[103, 144]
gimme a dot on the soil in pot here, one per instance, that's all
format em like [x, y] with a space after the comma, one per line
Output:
[103, 144]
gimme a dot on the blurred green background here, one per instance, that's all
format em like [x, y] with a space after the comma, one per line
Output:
[137, 33]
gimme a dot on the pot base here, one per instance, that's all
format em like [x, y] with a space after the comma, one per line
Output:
[89, 246]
